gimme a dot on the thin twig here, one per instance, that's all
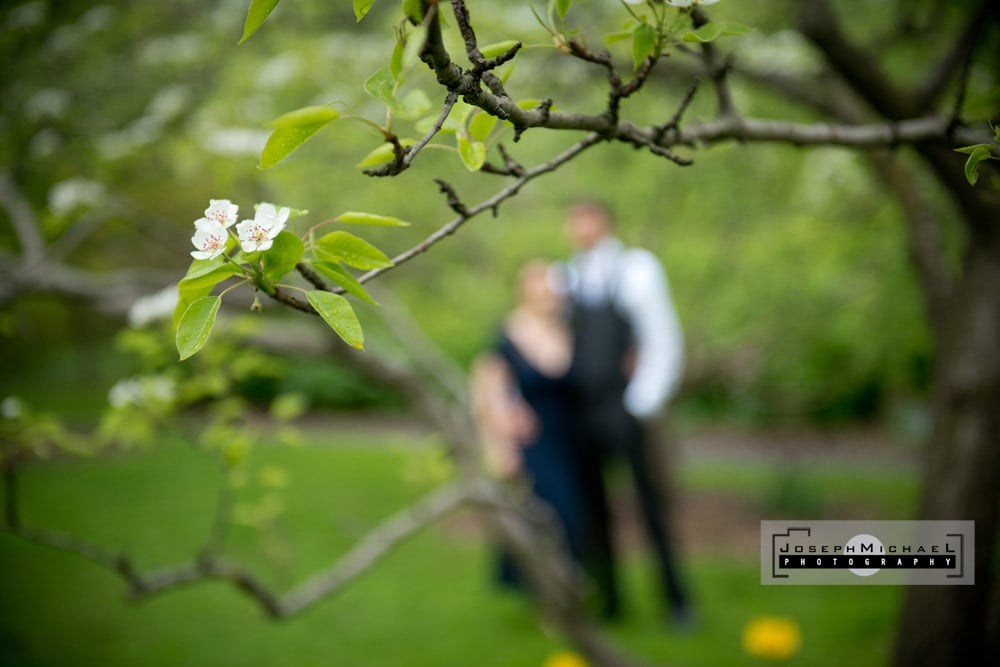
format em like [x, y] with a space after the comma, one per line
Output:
[312, 277]
[674, 122]
[401, 164]
[486, 205]
[717, 68]
[464, 215]
[217, 532]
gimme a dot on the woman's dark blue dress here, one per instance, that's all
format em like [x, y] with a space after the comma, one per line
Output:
[550, 461]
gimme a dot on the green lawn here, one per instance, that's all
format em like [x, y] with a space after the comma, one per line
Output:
[430, 604]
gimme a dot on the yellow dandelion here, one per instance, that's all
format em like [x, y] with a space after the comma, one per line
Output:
[564, 659]
[772, 638]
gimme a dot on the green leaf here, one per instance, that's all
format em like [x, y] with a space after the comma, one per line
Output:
[643, 43]
[969, 150]
[412, 9]
[256, 15]
[396, 60]
[190, 289]
[360, 218]
[185, 297]
[473, 153]
[507, 71]
[202, 276]
[734, 28]
[620, 36]
[412, 106]
[282, 256]
[196, 325]
[292, 130]
[481, 125]
[384, 153]
[414, 45]
[562, 7]
[972, 164]
[361, 8]
[337, 312]
[313, 115]
[381, 84]
[706, 33]
[712, 31]
[286, 407]
[497, 48]
[340, 276]
[208, 272]
[351, 250]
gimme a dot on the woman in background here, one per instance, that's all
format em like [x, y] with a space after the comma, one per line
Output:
[524, 405]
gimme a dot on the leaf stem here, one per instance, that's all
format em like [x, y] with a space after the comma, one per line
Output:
[233, 286]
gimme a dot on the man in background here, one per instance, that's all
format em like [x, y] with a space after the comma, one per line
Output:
[628, 363]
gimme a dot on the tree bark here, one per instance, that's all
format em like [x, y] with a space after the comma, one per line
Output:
[947, 625]
[950, 625]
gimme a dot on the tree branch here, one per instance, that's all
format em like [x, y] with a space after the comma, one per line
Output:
[717, 68]
[486, 205]
[956, 59]
[818, 22]
[387, 535]
[925, 243]
[674, 121]
[400, 165]
[873, 135]
[430, 359]
[22, 217]
[376, 545]
[112, 291]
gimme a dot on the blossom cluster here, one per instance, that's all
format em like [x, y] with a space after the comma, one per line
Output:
[142, 390]
[213, 231]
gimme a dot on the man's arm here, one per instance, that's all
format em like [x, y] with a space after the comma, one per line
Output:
[645, 299]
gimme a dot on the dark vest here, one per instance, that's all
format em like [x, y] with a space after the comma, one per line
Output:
[603, 339]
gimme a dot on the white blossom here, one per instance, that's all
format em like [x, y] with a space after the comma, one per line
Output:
[209, 238]
[222, 211]
[11, 408]
[142, 390]
[232, 141]
[258, 234]
[67, 196]
[153, 307]
[689, 3]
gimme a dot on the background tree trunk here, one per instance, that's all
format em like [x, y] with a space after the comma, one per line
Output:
[952, 625]
[941, 625]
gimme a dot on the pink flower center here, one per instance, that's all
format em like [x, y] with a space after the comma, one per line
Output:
[258, 233]
[213, 242]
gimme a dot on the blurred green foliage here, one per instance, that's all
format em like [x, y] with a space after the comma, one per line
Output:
[789, 266]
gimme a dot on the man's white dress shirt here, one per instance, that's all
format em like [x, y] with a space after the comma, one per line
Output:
[636, 281]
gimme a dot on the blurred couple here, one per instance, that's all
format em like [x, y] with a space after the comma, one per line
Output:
[583, 366]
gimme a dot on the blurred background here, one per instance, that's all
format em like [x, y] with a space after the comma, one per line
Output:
[808, 353]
